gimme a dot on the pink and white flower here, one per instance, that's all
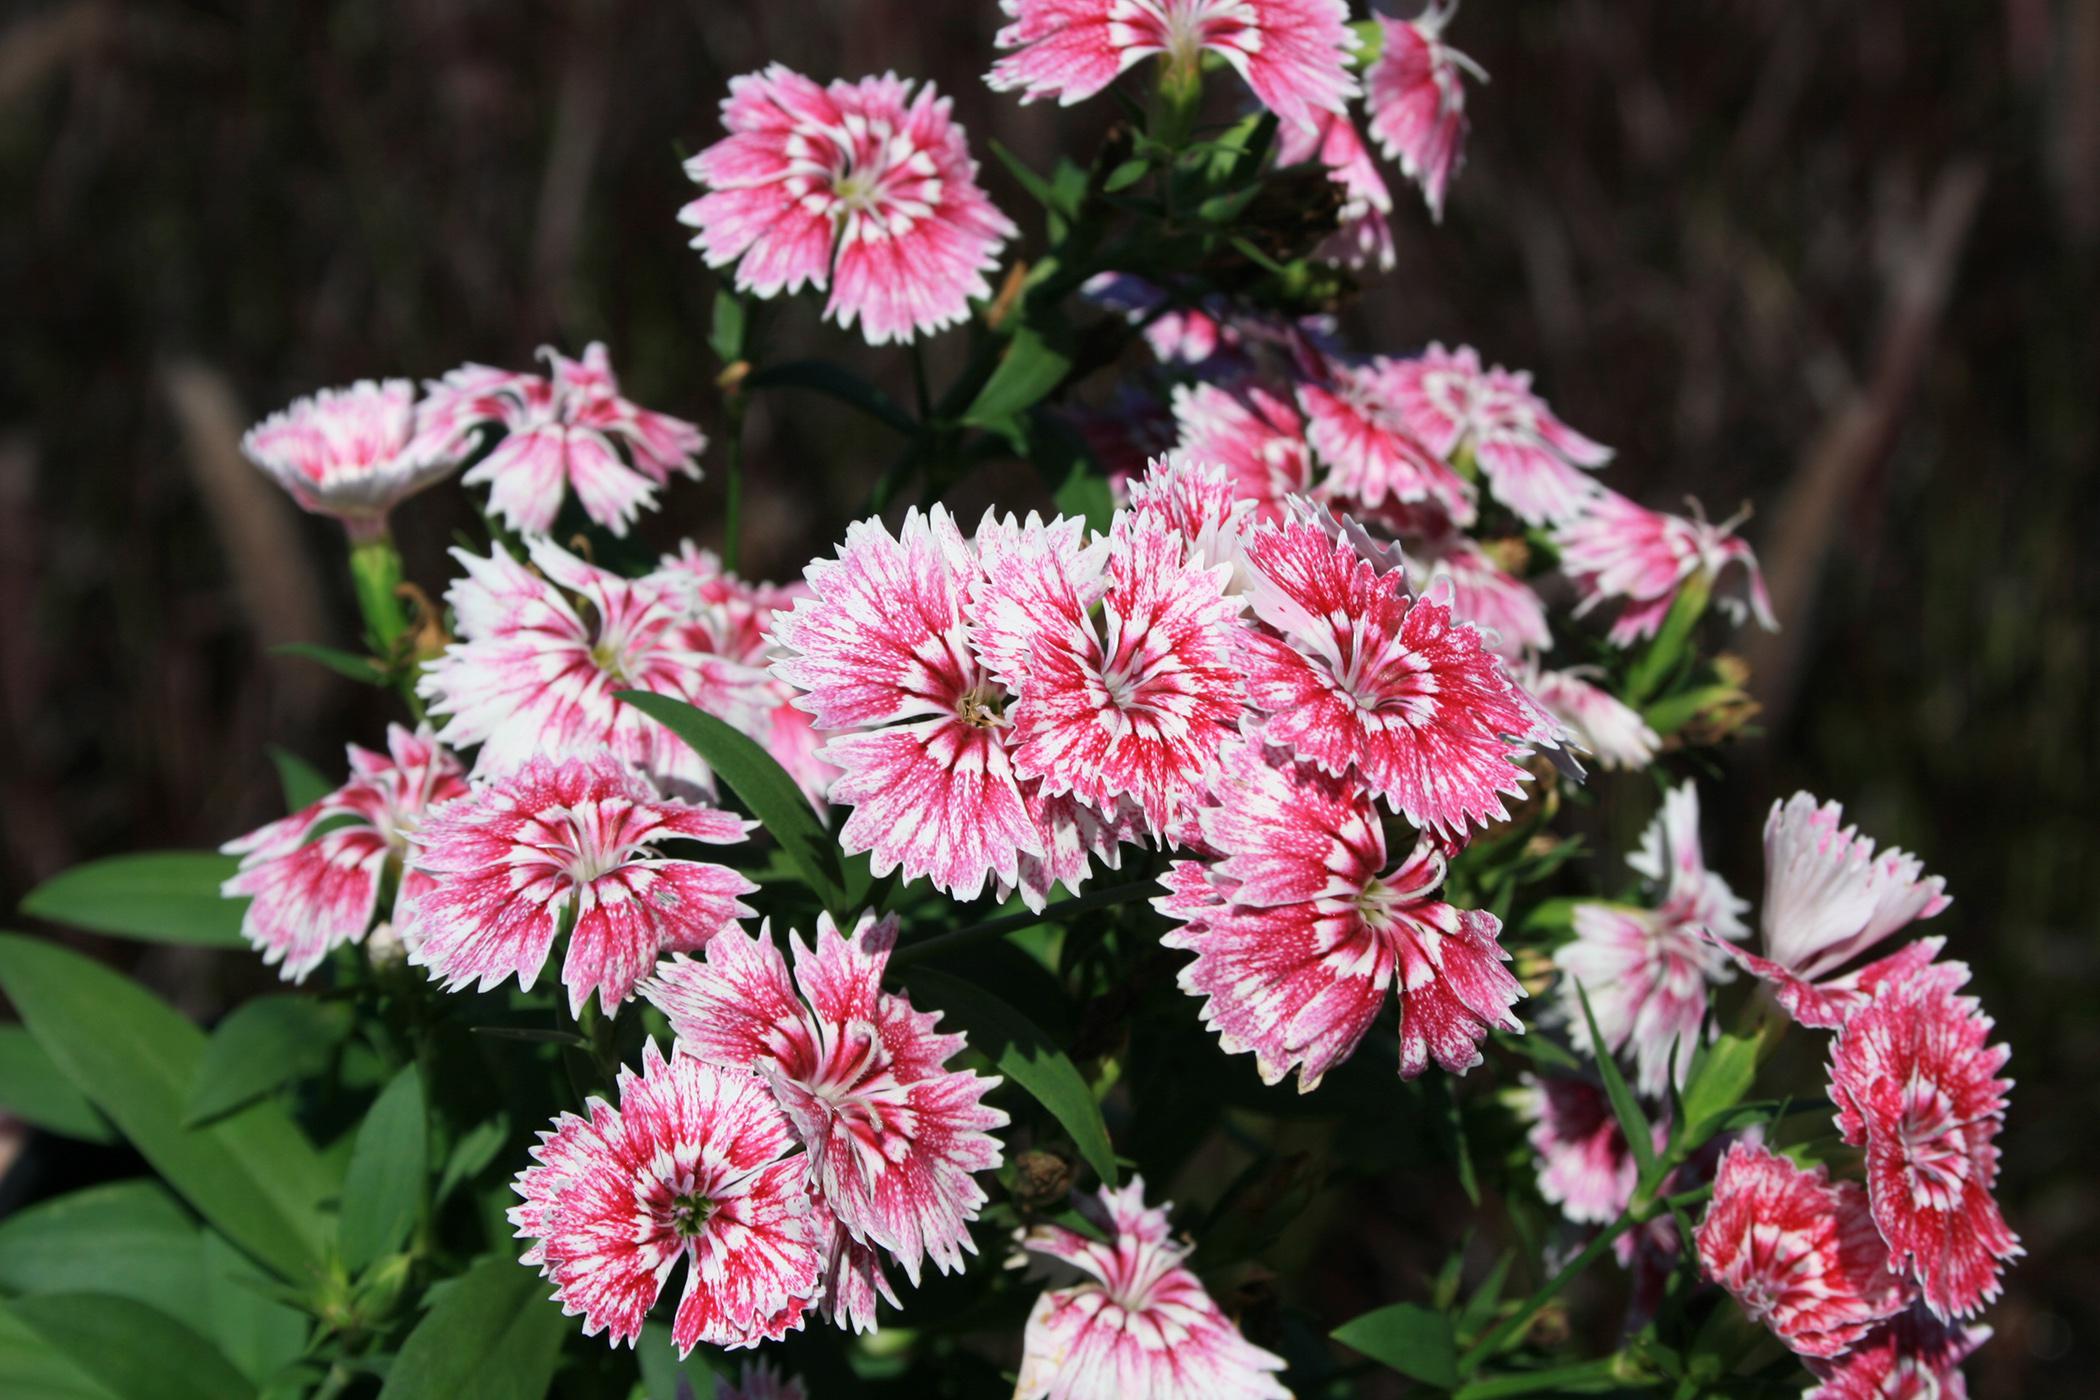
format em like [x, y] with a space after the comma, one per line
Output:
[1301, 932]
[1645, 971]
[1511, 619]
[350, 453]
[894, 1137]
[1293, 53]
[1913, 1356]
[1534, 463]
[1363, 676]
[1584, 1163]
[1257, 437]
[568, 846]
[1418, 103]
[1355, 423]
[1609, 729]
[534, 674]
[1618, 551]
[311, 894]
[1139, 1323]
[1365, 235]
[1798, 1252]
[695, 1164]
[859, 187]
[1917, 1086]
[559, 432]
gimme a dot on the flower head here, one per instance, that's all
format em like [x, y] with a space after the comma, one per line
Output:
[561, 431]
[695, 1164]
[311, 894]
[1418, 104]
[1585, 1165]
[1365, 237]
[894, 1137]
[1511, 619]
[1532, 460]
[1913, 1356]
[1257, 437]
[1615, 550]
[1355, 424]
[1138, 1323]
[1293, 53]
[349, 453]
[859, 187]
[1602, 724]
[568, 845]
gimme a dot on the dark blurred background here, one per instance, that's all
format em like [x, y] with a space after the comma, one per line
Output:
[1836, 260]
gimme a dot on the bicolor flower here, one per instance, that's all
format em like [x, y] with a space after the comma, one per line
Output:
[1916, 1085]
[894, 1137]
[1301, 932]
[1198, 501]
[568, 846]
[1138, 1322]
[1605, 726]
[1418, 103]
[1534, 463]
[1585, 1165]
[1293, 53]
[1511, 619]
[1913, 1356]
[1616, 551]
[352, 453]
[1257, 437]
[559, 432]
[860, 187]
[1645, 971]
[1355, 424]
[696, 1165]
[1798, 1251]
[1365, 235]
[310, 894]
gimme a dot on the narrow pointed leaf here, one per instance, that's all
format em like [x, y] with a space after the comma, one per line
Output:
[262, 1045]
[1413, 1340]
[492, 1335]
[35, 1090]
[1029, 370]
[302, 783]
[349, 664]
[134, 1351]
[1632, 1122]
[159, 896]
[29, 1365]
[388, 1179]
[69, 1245]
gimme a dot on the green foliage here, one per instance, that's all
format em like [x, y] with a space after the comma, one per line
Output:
[160, 897]
[263, 1045]
[491, 1336]
[35, 1090]
[1415, 1341]
[383, 1191]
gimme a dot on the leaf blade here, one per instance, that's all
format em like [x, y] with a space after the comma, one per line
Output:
[385, 1187]
[137, 1352]
[155, 896]
[262, 1045]
[1413, 1340]
[492, 1335]
[35, 1090]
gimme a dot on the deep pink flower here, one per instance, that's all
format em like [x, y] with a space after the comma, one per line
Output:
[1828, 899]
[860, 187]
[1913, 1356]
[1798, 1252]
[312, 894]
[534, 674]
[1365, 236]
[1917, 1086]
[1610, 730]
[568, 845]
[1646, 971]
[695, 1164]
[559, 431]
[1257, 437]
[1365, 676]
[1618, 551]
[1293, 53]
[1584, 1164]
[1139, 1324]
[1355, 424]
[1418, 104]
[350, 453]
[894, 1137]
[1532, 460]
[1301, 932]
[1511, 619]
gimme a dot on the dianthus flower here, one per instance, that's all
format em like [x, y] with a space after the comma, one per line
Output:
[894, 1137]
[1301, 932]
[1615, 550]
[1798, 1252]
[1913, 1356]
[695, 1165]
[1610, 730]
[1645, 971]
[1511, 619]
[1293, 53]
[1532, 461]
[1257, 437]
[1418, 104]
[351, 454]
[1364, 237]
[859, 187]
[312, 894]
[571, 846]
[1584, 1163]
[1917, 1086]
[1140, 1323]
[1355, 424]
[558, 432]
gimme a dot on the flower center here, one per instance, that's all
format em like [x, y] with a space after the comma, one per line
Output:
[981, 707]
[689, 1213]
[1934, 1145]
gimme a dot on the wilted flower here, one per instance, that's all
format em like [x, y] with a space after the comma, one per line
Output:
[1365, 237]
[1913, 1356]
[351, 453]
[1418, 104]
[1530, 458]
[1615, 550]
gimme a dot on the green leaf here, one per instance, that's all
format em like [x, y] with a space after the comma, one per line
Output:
[492, 1335]
[476, 1148]
[826, 378]
[1414, 1341]
[37, 1091]
[1717, 1084]
[31, 1366]
[1026, 1056]
[757, 778]
[134, 1351]
[383, 1192]
[302, 782]
[1599, 1377]
[1660, 660]
[128, 1237]
[1640, 1138]
[259, 1334]
[356, 667]
[160, 897]
[664, 1376]
[1039, 189]
[726, 339]
[261, 1045]
[1029, 370]
[1126, 175]
[253, 1175]
[1481, 1306]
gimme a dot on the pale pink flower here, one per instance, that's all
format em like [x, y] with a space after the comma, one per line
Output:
[859, 187]
[1798, 1252]
[535, 674]
[1365, 237]
[1417, 102]
[1913, 1356]
[1293, 53]
[311, 894]
[1611, 731]
[1356, 426]
[760, 1380]
[695, 1164]
[1511, 619]
[350, 453]
[1365, 676]
[567, 846]
[894, 1137]
[1257, 437]
[1301, 932]
[1139, 1325]
[1584, 1163]
[1616, 551]
[559, 432]
[1917, 1086]
[1646, 971]
[1533, 462]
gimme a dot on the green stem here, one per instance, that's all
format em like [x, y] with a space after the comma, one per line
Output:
[375, 570]
[1013, 923]
[733, 481]
[1513, 1326]
[1174, 106]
